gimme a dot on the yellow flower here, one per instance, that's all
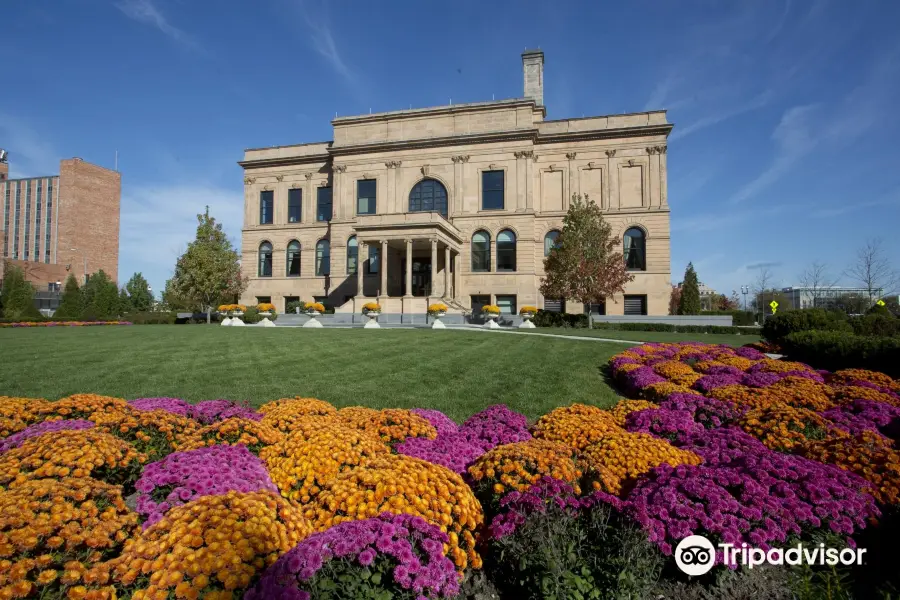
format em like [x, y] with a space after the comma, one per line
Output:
[231, 432]
[518, 466]
[577, 426]
[391, 424]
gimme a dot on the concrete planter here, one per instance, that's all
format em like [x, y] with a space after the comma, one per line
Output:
[313, 319]
[490, 321]
[235, 319]
[372, 323]
[526, 321]
[266, 323]
[438, 324]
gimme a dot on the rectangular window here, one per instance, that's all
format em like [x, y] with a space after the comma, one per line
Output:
[6, 220]
[492, 190]
[288, 300]
[266, 205]
[597, 308]
[48, 221]
[295, 205]
[365, 197]
[636, 305]
[323, 204]
[372, 263]
[264, 299]
[478, 302]
[507, 305]
[37, 221]
[556, 305]
[17, 215]
[27, 218]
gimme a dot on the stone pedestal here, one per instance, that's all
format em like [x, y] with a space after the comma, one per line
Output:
[526, 325]
[313, 321]
[491, 323]
[438, 324]
[235, 322]
[372, 323]
[266, 323]
[226, 321]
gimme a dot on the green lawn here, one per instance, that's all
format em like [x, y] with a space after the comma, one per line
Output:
[458, 372]
[652, 336]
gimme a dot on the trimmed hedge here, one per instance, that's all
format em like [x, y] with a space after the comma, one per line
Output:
[778, 327]
[878, 324]
[834, 350]
[738, 317]
[545, 318]
[678, 328]
[150, 318]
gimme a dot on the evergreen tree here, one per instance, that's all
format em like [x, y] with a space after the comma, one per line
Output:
[125, 305]
[138, 290]
[71, 302]
[586, 264]
[209, 271]
[18, 295]
[101, 297]
[689, 303]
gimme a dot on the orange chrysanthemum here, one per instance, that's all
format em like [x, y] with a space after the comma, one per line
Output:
[231, 432]
[576, 426]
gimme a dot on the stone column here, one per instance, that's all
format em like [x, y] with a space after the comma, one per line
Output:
[573, 180]
[456, 278]
[337, 193]
[359, 268]
[446, 272]
[653, 151]
[308, 206]
[408, 293]
[434, 245]
[384, 262]
[529, 180]
[663, 178]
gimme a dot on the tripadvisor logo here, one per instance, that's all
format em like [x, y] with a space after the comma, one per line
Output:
[695, 555]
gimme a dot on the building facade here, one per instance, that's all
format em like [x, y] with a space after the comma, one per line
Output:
[61, 224]
[459, 203]
[832, 296]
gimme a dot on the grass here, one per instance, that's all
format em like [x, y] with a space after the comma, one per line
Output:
[458, 372]
[652, 336]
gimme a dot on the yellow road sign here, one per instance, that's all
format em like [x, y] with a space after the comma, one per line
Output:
[880, 303]
[773, 304]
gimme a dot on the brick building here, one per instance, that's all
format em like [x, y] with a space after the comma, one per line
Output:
[60, 224]
[459, 203]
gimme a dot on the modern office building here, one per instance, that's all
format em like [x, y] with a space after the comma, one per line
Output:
[827, 296]
[60, 224]
[459, 203]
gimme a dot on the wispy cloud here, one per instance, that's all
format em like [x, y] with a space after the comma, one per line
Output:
[717, 117]
[322, 40]
[714, 220]
[763, 265]
[144, 11]
[30, 154]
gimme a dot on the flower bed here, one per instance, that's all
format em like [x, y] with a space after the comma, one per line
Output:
[296, 499]
[63, 323]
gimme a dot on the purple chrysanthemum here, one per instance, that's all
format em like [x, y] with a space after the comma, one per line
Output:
[211, 411]
[173, 405]
[495, 426]
[17, 439]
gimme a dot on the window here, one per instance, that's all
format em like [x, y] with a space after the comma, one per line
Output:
[506, 251]
[27, 217]
[47, 224]
[295, 205]
[635, 250]
[293, 259]
[323, 204]
[37, 221]
[265, 259]
[636, 305]
[365, 197]
[597, 308]
[429, 195]
[492, 190]
[507, 304]
[323, 258]
[481, 252]
[478, 302]
[264, 299]
[17, 215]
[8, 187]
[352, 255]
[550, 242]
[266, 202]
[556, 305]
[373, 262]
[288, 300]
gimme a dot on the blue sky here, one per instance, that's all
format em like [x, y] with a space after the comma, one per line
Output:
[786, 113]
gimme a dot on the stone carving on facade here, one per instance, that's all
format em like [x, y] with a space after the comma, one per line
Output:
[267, 188]
[460, 158]
[279, 177]
[340, 168]
[392, 164]
[630, 162]
[249, 180]
[656, 150]
[590, 165]
[308, 175]
[571, 155]
[492, 167]
[424, 170]
[610, 153]
[524, 154]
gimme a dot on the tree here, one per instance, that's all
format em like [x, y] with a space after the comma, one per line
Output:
[817, 281]
[100, 297]
[124, 302]
[209, 271]
[689, 303]
[18, 294]
[586, 264]
[674, 299]
[71, 303]
[138, 292]
[874, 272]
[760, 288]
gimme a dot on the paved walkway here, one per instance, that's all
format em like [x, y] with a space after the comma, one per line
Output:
[562, 337]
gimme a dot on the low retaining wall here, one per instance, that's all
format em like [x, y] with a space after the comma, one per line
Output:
[722, 320]
[392, 319]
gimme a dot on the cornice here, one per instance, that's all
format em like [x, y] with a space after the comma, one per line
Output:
[284, 161]
[453, 140]
[605, 134]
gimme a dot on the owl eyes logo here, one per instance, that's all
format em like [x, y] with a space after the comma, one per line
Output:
[695, 555]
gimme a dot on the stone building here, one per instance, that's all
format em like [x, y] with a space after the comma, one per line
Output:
[60, 224]
[458, 203]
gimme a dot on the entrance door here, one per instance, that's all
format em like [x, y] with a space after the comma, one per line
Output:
[421, 276]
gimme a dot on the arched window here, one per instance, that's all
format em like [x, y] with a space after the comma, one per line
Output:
[550, 241]
[323, 258]
[506, 251]
[293, 259]
[635, 249]
[429, 195]
[265, 259]
[352, 255]
[481, 252]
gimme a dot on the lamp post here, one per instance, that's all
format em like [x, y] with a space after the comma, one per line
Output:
[745, 290]
[84, 272]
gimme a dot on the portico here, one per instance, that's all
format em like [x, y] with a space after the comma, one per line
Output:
[418, 256]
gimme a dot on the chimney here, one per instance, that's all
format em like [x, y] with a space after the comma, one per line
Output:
[533, 67]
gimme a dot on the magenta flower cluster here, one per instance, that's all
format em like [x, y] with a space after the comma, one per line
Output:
[211, 411]
[494, 426]
[17, 439]
[450, 450]
[663, 422]
[408, 551]
[517, 507]
[760, 379]
[173, 405]
[708, 383]
[861, 415]
[444, 424]
[708, 412]
[183, 476]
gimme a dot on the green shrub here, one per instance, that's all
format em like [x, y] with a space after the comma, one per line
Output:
[779, 326]
[833, 350]
[669, 327]
[882, 324]
[150, 318]
[18, 295]
[251, 316]
[293, 305]
[545, 318]
[738, 317]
